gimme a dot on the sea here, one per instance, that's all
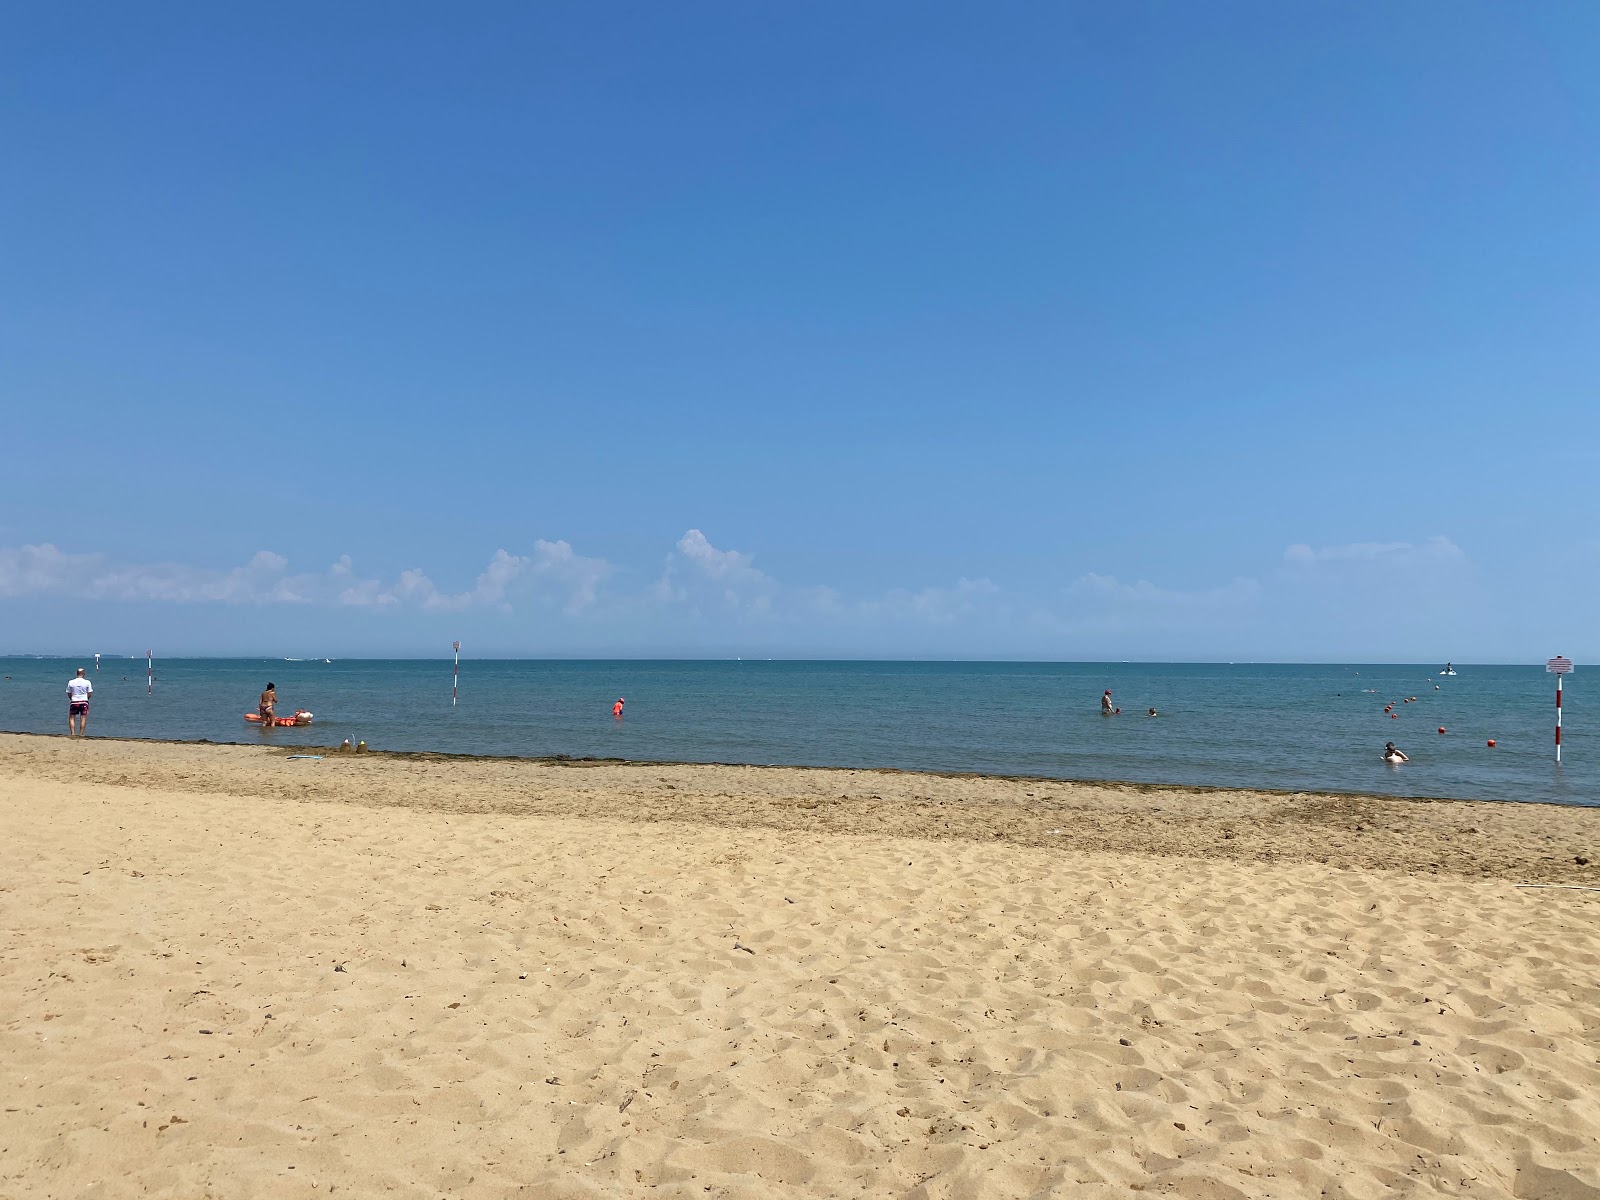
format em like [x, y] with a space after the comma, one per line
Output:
[1298, 727]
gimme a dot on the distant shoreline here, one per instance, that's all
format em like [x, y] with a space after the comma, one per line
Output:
[327, 660]
[581, 761]
[1002, 800]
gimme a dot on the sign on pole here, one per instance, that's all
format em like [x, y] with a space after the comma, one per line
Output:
[455, 681]
[1558, 666]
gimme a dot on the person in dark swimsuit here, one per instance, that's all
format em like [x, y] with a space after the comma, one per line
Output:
[269, 707]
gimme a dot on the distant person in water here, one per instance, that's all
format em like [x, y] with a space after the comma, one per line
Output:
[79, 690]
[268, 707]
[1106, 709]
[1393, 756]
[1152, 713]
[616, 709]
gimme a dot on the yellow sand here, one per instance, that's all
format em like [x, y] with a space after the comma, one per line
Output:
[226, 973]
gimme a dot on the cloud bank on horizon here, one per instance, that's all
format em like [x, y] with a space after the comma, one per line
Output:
[554, 599]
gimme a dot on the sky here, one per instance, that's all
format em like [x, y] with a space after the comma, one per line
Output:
[1237, 331]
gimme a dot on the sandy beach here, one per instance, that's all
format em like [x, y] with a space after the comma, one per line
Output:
[229, 973]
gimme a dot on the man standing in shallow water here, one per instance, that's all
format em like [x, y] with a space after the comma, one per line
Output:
[79, 690]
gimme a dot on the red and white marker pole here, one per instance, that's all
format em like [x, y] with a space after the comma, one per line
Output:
[1558, 666]
[455, 682]
[149, 673]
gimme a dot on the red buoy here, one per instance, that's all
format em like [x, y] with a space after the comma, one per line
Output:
[1441, 729]
[1491, 743]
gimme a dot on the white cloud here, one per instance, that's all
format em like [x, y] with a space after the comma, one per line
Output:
[1435, 549]
[1096, 603]
[554, 569]
[703, 587]
[1108, 589]
[700, 575]
[45, 570]
[934, 605]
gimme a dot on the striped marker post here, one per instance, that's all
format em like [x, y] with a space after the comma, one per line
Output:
[1558, 666]
[455, 681]
[149, 673]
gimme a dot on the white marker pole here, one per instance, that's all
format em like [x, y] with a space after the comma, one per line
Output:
[455, 681]
[97, 663]
[150, 673]
[1558, 666]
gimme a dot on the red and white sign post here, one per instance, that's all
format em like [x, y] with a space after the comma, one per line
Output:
[455, 681]
[149, 672]
[1558, 666]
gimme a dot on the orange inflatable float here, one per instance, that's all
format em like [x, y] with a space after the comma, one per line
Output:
[301, 717]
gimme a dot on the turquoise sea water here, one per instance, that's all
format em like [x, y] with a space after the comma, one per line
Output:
[1302, 727]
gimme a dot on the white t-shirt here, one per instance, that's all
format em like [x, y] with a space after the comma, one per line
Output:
[79, 690]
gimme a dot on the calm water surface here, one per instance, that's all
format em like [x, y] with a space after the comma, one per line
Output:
[1291, 727]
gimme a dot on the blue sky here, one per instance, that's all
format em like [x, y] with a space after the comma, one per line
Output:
[1235, 331]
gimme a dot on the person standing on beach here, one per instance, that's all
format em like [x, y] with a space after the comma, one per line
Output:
[268, 705]
[79, 690]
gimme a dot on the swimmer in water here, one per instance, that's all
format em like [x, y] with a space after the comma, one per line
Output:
[1152, 713]
[1393, 756]
[616, 709]
[1105, 704]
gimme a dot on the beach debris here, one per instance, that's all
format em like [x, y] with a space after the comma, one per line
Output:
[1563, 887]
[740, 946]
[552, 1079]
[623, 1107]
[339, 967]
[1581, 859]
[312, 757]
[361, 747]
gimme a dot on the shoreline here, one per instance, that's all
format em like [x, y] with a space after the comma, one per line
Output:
[595, 760]
[1514, 841]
